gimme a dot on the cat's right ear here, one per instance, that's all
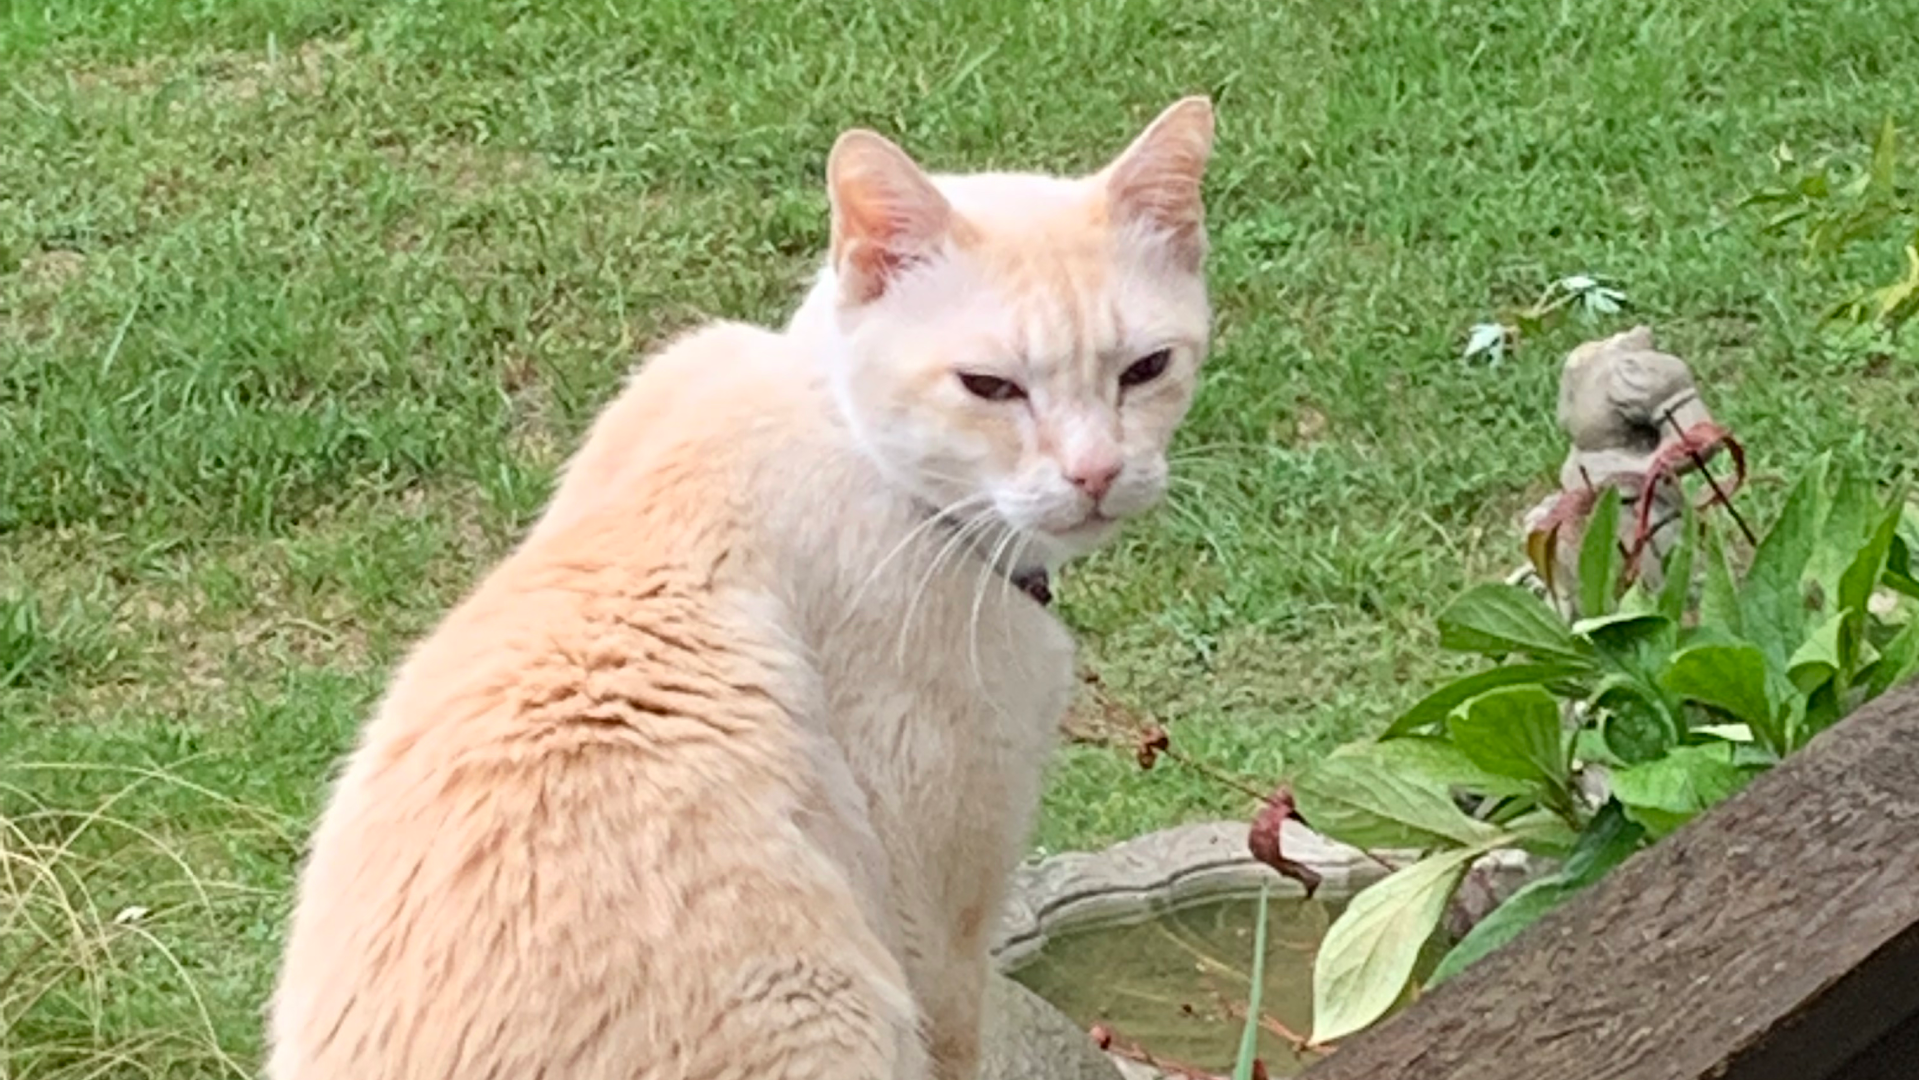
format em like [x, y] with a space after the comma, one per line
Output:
[887, 215]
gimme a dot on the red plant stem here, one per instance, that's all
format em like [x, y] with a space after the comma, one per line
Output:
[1713, 482]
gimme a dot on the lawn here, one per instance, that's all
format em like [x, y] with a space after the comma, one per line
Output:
[303, 301]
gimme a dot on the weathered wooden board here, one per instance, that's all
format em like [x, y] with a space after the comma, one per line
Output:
[1774, 938]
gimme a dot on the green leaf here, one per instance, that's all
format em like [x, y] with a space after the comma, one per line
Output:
[1719, 595]
[1768, 196]
[1637, 601]
[1855, 588]
[1440, 762]
[1868, 563]
[1734, 733]
[1772, 599]
[1357, 798]
[1675, 593]
[1891, 301]
[1589, 748]
[1514, 732]
[1664, 794]
[1820, 658]
[1778, 222]
[1851, 515]
[1885, 158]
[1626, 624]
[1733, 678]
[1368, 954]
[1814, 713]
[1542, 832]
[1609, 840]
[1434, 707]
[1638, 646]
[1599, 557]
[1898, 660]
[1904, 584]
[1495, 619]
[1637, 726]
[1249, 1034]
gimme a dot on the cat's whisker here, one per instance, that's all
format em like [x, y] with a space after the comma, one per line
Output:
[1025, 540]
[993, 568]
[946, 477]
[965, 540]
[932, 521]
[960, 541]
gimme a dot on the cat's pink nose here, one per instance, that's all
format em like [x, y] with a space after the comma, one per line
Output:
[1095, 478]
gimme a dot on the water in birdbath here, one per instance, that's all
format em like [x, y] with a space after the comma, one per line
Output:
[1176, 985]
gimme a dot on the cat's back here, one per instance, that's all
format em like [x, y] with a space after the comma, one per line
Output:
[584, 835]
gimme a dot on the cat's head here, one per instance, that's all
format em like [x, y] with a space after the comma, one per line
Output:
[1018, 344]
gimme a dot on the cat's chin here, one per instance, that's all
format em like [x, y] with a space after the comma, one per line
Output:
[1091, 534]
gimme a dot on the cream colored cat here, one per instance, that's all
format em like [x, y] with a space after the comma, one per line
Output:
[722, 772]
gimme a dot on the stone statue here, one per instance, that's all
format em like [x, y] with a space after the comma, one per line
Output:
[1635, 419]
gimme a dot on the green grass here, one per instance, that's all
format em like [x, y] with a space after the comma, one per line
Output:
[302, 301]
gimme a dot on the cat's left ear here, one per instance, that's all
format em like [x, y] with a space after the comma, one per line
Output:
[1156, 182]
[887, 215]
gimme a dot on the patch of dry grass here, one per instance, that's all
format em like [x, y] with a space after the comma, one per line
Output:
[103, 925]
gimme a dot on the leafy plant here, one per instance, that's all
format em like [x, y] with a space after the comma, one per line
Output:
[1585, 294]
[1836, 208]
[1586, 742]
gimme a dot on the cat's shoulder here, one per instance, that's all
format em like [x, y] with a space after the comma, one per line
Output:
[715, 380]
[717, 352]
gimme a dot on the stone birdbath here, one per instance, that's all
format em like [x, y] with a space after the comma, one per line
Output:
[1079, 926]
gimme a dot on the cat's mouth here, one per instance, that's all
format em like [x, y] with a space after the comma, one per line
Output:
[1095, 524]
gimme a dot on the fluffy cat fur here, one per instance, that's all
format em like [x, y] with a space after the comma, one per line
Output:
[721, 773]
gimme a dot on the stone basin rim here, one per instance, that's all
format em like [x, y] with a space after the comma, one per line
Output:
[1172, 868]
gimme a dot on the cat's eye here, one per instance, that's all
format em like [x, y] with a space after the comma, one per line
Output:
[1146, 368]
[992, 387]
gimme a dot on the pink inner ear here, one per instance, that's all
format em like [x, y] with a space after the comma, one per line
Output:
[1158, 179]
[1164, 194]
[1170, 204]
[868, 268]
[887, 215]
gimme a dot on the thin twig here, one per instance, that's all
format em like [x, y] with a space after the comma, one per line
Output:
[1215, 775]
[1107, 1040]
[1711, 480]
[1147, 727]
[1300, 1043]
